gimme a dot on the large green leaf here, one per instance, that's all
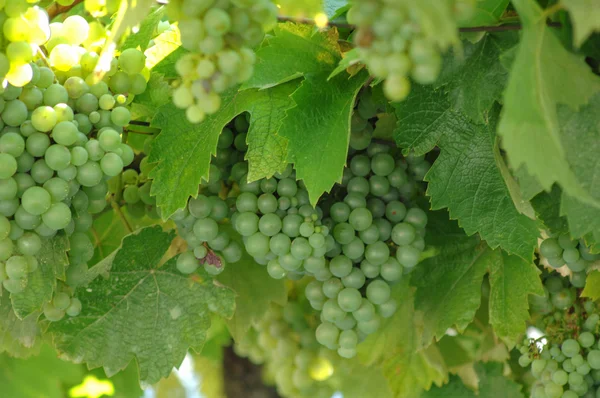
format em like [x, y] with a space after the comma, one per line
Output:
[318, 129]
[143, 311]
[449, 283]
[53, 261]
[477, 79]
[396, 348]
[580, 135]
[592, 286]
[255, 291]
[543, 76]
[183, 150]
[162, 57]
[547, 210]
[586, 18]
[465, 178]
[294, 51]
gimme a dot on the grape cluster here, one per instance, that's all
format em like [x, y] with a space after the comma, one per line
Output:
[220, 36]
[568, 364]
[293, 360]
[393, 43]
[60, 144]
[25, 27]
[562, 250]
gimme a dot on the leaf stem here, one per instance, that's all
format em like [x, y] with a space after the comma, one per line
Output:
[55, 9]
[121, 216]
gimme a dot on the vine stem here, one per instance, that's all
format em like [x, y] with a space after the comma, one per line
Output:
[55, 9]
[500, 28]
[117, 210]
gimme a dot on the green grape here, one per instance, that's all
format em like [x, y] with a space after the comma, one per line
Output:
[13, 144]
[550, 248]
[206, 229]
[29, 244]
[270, 224]
[327, 334]
[14, 113]
[378, 292]
[280, 244]
[111, 164]
[395, 211]
[570, 348]
[74, 307]
[300, 248]
[593, 359]
[246, 202]
[36, 200]
[109, 140]
[17, 267]
[61, 301]
[8, 165]
[52, 313]
[247, 223]
[8, 188]
[90, 174]
[349, 299]
[65, 133]
[15, 285]
[57, 157]
[120, 116]
[275, 270]
[267, 203]
[332, 287]
[57, 217]
[187, 263]
[132, 61]
[391, 270]
[408, 256]
[377, 253]
[403, 234]
[257, 245]
[340, 266]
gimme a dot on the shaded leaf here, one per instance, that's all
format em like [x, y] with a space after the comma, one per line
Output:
[141, 311]
[147, 28]
[586, 18]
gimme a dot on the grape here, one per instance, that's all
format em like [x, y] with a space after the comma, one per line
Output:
[593, 359]
[16, 267]
[132, 61]
[36, 200]
[570, 348]
[257, 245]
[8, 165]
[349, 299]
[378, 292]
[340, 266]
[270, 224]
[327, 334]
[74, 307]
[57, 217]
[187, 263]
[247, 223]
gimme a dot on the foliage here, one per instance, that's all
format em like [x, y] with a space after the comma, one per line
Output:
[497, 139]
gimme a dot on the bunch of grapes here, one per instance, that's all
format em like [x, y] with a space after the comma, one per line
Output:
[25, 28]
[393, 40]
[220, 36]
[566, 361]
[562, 250]
[59, 145]
[284, 342]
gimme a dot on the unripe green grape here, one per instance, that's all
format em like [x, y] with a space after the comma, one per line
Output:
[17, 267]
[132, 61]
[37, 144]
[90, 174]
[74, 307]
[57, 217]
[15, 285]
[61, 301]
[65, 133]
[57, 157]
[36, 200]
[257, 245]
[187, 263]
[52, 313]
[109, 140]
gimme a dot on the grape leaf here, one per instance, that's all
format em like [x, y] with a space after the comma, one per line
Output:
[464, 178]
[141, 311]
[52, 263]
[449, 283]
[18, 337]
[586, 18]
[161, 57]
[40, 376]
[142, 37]
[396, 349]
[493, 383]
[255, 291]
[371, 383]
[334, 8]
[454, 388]
[547, 209]
[487, 12]
[294, 51]
[537, 85]
[318, 129]
[580, 135]
[183, 150]
[477, 79]
[592, 286]
[512, 280]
